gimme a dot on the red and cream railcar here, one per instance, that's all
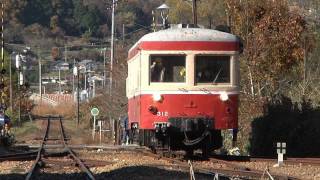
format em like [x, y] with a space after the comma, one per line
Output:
[183, 87]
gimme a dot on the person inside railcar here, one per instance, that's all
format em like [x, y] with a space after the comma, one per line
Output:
[157, 71]
[182, 73]
[205, 75]
[203, 72]
[214, 69]
[168, 68]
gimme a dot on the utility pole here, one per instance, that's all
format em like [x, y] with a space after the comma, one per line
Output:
[76, 73]
[93, 88]
[65, 58]
[85, 78]
[2, 56]
[123, 34]
[65, 53]
[228, 16]
[74, 62]
[194, 11]
[59, 80]
[19, 96]
[104, 67]
[10, 72]
[40, 76]
[20, 79]
[112, 47]
[78, 97]
[305, 58]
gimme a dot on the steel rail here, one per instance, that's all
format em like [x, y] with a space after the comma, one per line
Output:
[288, 160]
[83, 167]
[237, 171]
[18, 156]
[40, 151]
[94, 147]
[30, 156]
[88, 162]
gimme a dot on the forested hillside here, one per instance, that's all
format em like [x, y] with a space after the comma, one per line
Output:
[26, 19]
[280, 64]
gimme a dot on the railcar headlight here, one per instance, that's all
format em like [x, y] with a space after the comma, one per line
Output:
[157, 97]
[224, 96]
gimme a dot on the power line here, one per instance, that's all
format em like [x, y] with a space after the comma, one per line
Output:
[127, 34]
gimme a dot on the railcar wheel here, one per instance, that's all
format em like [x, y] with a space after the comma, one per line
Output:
[142, 138]
[133, 136]
[130, 141]
[205, 151]
[189, 152]
[207, 145]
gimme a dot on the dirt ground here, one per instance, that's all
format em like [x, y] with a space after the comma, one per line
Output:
[133, 165]
[121, 164]
[32, 132]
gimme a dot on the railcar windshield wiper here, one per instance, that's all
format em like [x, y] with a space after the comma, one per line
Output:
[183, 90]
[215, 79]
[205, 90]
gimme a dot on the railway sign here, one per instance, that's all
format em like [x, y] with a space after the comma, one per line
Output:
[94, 111]
[281, 147]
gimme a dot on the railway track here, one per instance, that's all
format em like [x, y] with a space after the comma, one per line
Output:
[232, 171]
[39, 162]
[19, 156]
[289, 160]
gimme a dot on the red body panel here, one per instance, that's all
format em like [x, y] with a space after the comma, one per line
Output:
[225, 114]
[184, 45]
[134, 109]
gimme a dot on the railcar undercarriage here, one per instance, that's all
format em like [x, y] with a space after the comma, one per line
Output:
[186, 134]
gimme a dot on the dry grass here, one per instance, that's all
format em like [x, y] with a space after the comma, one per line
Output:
[66, 110]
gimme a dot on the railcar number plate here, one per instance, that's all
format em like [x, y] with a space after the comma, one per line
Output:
[164, 114]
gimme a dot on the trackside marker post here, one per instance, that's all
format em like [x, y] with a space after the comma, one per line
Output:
[281, 150]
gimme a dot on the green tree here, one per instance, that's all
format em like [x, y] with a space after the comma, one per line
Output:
[37, 11]
[180, 12]
[62, 17]
[54, 22]
[212, 13]
[273, 39]
[12, 10]
[88, 18]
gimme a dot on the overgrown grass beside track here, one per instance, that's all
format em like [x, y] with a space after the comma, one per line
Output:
[27, 128]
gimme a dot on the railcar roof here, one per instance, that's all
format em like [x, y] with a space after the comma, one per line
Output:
[188, 34]
[185, 35]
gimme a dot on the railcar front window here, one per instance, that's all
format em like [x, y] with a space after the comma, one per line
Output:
[167, 68]
[212, 69]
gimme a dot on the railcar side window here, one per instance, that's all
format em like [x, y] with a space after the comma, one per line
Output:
[167, 68]
[212, 69]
